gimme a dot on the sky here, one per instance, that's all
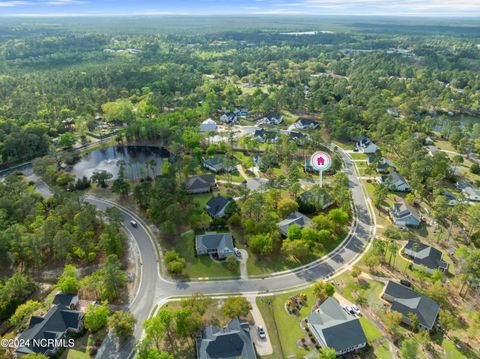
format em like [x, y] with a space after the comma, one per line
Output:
[428, 8]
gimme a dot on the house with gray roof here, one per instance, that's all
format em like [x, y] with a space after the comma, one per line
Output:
[213, 243]
[468, 189]
[57, 324]
[334, 327]
[200, 184]
[424, 256]
[384, 165]
[230, 342]
[395, 182]
[405, 301]
[270, 120]
[217, 205]
[404, 215]
[219, 164]
[208, 125]
[293, 218]
[67, 300]
[303, 123]
[366, 145]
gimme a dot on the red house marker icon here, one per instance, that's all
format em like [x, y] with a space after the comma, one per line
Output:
[320, 161]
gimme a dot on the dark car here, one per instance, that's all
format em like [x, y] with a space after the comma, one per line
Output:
[134, 224]
[405, 282]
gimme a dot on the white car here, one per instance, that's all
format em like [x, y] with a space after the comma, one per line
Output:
[349, 309]
[261, 333]
[356, 310]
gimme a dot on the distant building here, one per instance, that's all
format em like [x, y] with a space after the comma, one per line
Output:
[393, 112]
[213, 243]
[472, 193]
[333, 327]
[200, 184]
[395, 182]
[271, 120]
[295, 136]
[229, 118]
[305, 123]
[405, 301]
[208, 125]
[219, 164]
[264, 136]
[432, 150]
[293, 218]
[404, 215]
[231, 342]
[366, 145]
[384, 165]
[217, 205]
[60, 321]
[424, 256]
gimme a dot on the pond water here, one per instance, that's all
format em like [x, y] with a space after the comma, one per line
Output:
[140, 161]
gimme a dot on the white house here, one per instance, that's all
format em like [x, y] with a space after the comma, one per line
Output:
[208, 125]
[395, 182]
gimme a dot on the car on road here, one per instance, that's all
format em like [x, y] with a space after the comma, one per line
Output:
[133, 223]
[405, 282]
[261, 332]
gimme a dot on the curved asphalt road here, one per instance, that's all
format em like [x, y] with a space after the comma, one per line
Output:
[154, 288]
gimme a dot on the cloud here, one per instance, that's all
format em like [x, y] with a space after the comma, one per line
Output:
[13, 3]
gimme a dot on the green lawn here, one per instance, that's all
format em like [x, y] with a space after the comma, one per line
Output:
[344, 145]
[451, 350]
[358, 156]
[282, 327]
[352, 288]
[201, 266]
[76, 354]
[371, 331]
[382, 351]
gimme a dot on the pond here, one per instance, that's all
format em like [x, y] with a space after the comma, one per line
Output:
[140, 161]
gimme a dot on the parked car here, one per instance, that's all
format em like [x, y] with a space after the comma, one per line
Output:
[133, 223]
[349, 309]
[356, 311]
[237, 252]
[261, 333]
[405, 282]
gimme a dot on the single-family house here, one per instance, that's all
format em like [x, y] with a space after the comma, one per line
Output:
[270, 120]
[428, 141]
[213, 243]
[366, 145]
[452, 199]
[208, 125]
[468, 189]
[293, 218]
[229, 118]
[265, 136]
[393, 112]
[219, 164]
[432, 150]
[333, 327]
[230, 342]
[41, 333]
[405, 301]
[200, 184]
[384, 165]
[395, 182]
[306, 123]
[424, 256]
[295, 136]
[404, 215]
[217, 205]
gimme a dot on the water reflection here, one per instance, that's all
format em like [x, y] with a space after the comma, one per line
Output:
[139, 161]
